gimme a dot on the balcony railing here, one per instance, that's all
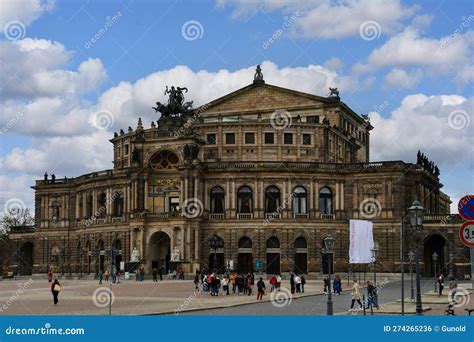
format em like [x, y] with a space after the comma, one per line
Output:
[220, 216]
[272, 216]
[246, 216]
[327, 216]
[300, 216]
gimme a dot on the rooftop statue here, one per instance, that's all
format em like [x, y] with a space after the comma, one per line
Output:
[176, 104]
[258, 77]
[334, 93]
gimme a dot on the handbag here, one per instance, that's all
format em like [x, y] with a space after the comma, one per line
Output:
[57, 288]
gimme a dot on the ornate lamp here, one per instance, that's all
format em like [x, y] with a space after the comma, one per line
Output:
[416, 212]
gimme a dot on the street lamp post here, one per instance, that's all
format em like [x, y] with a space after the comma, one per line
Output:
[215, 243]
[417, 212]
[435, 264]
[411, 257]
[329, 249]
[375, 253]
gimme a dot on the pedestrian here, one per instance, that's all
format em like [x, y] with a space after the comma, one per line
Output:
[142, 274]
[240, 284]
[371, 295]
[117, 277]
[232, 282]
[155, 275]
[278, 283]
[273, 281]
[249, 285]
[175, 274]
[196, 280]
[260, 289]
[303, 281]
[337, 284]
[137, 274]
[298, 283]
[326, 284]
[355, 295]
[440, 284]
[55, 289]
[106, 275]
[245, 283]
[292, 283]
[225, 285]
[101, 276]
[160, 272]
[50, 275]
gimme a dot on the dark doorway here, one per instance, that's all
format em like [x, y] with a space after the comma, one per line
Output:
[159, 251]
[25, 259]
[101, 262]
[220, 262]
[327, 261]
[273, 263]
[434, 244]
[245, 263]
[301, 263]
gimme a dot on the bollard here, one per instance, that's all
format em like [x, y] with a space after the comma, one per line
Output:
[110, 300]
[363, 303]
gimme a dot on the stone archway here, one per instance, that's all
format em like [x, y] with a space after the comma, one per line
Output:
[434, 243]
[25, 259]
[159, 251]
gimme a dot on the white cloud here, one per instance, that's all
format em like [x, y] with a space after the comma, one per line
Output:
[16, 187]
[424, 123]
[399, 78]
[329, 19]
[25, 11]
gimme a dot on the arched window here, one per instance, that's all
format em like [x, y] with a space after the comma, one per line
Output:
[273, 242]
[118, 245]
[272, 199]
[299, 200]
[217, 200]
[244, 200]
[89, 206]
[245, 242]
[325, 201]
[300, 242]
[100, 245]
[102, 205]
[118, 204]
[55, 210]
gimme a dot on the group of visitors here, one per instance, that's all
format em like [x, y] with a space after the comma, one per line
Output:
[297, 283]
[371, 296]
[140, 274]
[157, 272]
[336, 284]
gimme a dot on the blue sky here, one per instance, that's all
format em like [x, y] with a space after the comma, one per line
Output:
[413, 75]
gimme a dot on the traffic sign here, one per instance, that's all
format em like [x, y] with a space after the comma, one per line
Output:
[466, 233]
[466, 207]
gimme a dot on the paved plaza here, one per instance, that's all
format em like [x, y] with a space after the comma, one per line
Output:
[32, 296]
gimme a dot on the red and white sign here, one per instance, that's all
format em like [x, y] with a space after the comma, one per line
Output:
[466, 233]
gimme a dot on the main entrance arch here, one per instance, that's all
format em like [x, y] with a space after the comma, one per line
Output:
[159, 251]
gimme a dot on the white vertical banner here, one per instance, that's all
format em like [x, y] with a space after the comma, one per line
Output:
[361, 241]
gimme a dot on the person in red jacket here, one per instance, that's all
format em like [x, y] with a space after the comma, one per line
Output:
[249, 285]
[273, 281]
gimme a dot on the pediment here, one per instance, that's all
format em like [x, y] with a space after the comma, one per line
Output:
[261, 97]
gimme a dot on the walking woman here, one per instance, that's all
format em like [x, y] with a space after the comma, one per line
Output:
[337, 284]
[55, 289]
[355, 295]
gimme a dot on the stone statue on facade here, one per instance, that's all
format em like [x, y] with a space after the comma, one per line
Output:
[175, 254]
[135, 256]
[333, 94]
[176, 104]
